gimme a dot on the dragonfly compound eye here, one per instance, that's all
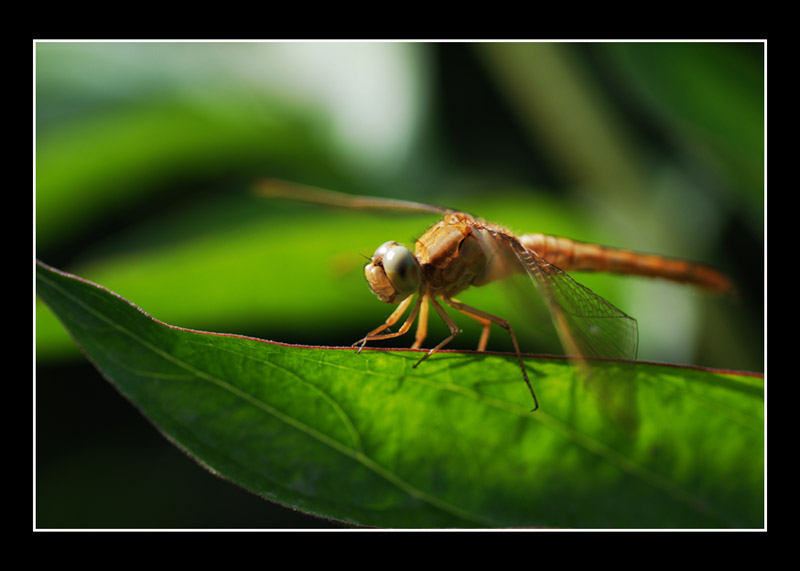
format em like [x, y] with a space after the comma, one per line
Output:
[402, 269]
[393, 274]
[381, 251]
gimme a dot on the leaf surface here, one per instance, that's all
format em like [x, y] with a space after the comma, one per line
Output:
[370, 440]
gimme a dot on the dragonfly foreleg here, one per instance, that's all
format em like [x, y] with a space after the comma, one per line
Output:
[375, 335]
[481, 316]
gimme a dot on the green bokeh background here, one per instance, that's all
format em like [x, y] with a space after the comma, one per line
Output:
[146, 153]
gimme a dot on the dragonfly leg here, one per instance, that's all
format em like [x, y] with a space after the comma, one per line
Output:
[375, 335]
[487, 323]
[454, 330]
[478, 314]
[422, 324]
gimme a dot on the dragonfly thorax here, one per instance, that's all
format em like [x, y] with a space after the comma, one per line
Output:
[393, 273]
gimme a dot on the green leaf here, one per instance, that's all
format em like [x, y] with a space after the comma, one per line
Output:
[710, 95]
[101, 165]
[370, 440]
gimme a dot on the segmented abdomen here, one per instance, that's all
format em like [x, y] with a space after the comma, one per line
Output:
[570, 255]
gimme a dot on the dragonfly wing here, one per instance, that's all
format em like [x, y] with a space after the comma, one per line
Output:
[273, 188]
[588, 325]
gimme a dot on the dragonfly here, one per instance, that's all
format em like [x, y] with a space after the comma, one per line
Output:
[462, 251]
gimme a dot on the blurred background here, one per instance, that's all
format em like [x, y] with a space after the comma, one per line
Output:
[146, 154]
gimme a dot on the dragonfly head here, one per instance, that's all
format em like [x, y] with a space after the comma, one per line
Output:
[393, 273]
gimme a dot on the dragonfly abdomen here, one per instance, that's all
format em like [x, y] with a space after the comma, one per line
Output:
[571, 255]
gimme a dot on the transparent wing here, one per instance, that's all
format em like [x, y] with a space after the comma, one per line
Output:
[587, 324]
[273, 188]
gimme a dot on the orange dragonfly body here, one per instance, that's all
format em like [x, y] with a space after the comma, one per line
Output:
[461, 251]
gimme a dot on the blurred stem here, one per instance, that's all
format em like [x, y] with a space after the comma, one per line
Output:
[559, 105]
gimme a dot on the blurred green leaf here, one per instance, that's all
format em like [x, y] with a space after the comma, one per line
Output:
[104, 163]
[369, 440]
[710, 98]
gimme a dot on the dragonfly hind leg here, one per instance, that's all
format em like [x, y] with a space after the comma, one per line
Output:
[487, 319]
[484, 321]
